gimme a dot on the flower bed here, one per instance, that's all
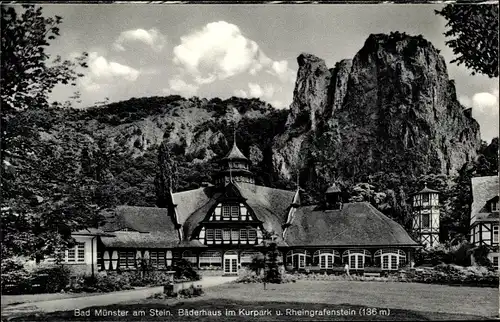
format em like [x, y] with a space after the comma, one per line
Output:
[192, 291]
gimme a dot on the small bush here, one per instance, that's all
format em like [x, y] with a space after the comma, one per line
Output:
[185, 271]
[191, 291]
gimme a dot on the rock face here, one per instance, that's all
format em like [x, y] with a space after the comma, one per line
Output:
[392, 108]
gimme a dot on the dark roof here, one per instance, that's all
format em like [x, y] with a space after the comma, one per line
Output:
[235, 153]
[91, 232]
[356, 224]
[425, 190]
[135, 239]
[191, 201]
[483, 190]
[146, 227]
[141, 219]
[270, 206]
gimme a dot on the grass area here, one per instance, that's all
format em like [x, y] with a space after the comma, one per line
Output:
[345, 300]
[32, 298]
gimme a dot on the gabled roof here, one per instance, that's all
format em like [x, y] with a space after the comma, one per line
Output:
[356, 224]
[187, 202]
[235, 154]
[270, 206]
[483, 190]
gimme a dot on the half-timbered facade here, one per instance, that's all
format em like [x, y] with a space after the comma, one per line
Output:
[426, 216]
[484, 220]
[222, 227]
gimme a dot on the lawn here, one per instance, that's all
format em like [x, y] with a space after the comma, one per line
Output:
[31, 298]
[344, 300]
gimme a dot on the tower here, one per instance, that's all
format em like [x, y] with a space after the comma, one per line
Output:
[333, 196]
[426, 216]
[234, 167]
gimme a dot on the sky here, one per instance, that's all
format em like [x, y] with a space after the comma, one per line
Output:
[140, 50]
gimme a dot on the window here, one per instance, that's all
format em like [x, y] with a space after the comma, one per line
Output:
[210, 234]
[494, 206]
[243, 234]
[390, 259]
[495, 262]
[226, 211]
[218, 234]
[235, 211]
[226, 234]
[211, 258]
[325, 258]
[495, 234]
[356, 258]
[425, 197]
[126, 259]
[425, 220]
[252, 234]
[189, 256]
[235, 235]
[75, 254]
[297, 258]
[157, 259]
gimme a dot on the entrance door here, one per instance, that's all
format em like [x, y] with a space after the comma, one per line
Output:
[231, 262]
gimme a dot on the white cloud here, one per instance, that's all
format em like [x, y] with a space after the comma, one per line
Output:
[102, 72]
[240, 93]
[265, 92]
[485, 111]
[281, 70]
[219, 50]
[152, 37]
[278, 104]
[178, 86]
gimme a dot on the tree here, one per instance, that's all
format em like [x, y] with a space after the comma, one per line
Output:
[27, 75]
[474, 33]
[166, 176]
[45, 194]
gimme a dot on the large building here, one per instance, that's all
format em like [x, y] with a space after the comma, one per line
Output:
[220, 228]
[484, 217]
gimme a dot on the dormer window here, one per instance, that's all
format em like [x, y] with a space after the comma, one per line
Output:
[494, 206]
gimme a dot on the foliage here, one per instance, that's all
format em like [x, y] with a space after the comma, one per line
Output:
[480, 254]
[272, 273]
[246, 276]
[473, 33]
[191, 291]
[258, 264]
[18, 279]
[101, 282]
[457, 253]
[166, 176]
[184, 270]
[27, 75]
[452, 274]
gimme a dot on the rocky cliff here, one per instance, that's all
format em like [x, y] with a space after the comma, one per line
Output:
[392, 108]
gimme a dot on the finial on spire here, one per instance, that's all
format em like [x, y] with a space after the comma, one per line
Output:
[425, 184]
[298, 186]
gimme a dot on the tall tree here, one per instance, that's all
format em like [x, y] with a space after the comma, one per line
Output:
[473, 29]
[166, 176]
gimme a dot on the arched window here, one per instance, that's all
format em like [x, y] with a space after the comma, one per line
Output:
[297, 258]
[390, 259]
[325, 258]
[247, 256]
[211, 258]
[189, 256]
[356, 258]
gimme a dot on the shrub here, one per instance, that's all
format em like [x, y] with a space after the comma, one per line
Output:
[185, 271]
[191, 291]
[452, 274]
